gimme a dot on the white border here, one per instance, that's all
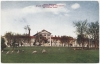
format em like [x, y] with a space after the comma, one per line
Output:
[49, 0]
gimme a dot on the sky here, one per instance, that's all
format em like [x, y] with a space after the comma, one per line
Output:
[57, 17]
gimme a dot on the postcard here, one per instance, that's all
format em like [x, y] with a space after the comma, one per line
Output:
[49, 32]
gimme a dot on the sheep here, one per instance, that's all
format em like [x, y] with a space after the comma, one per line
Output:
[34, 52]
[7, 52]
[22, 50]
[12, 51]
[18, 51]
[43, 51]
[74, 48]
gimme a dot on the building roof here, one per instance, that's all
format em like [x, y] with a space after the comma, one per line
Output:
[41, 32]
[45, 31]
[56, 38]
[23, 36]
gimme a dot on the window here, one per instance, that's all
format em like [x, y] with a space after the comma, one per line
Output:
[48, 34]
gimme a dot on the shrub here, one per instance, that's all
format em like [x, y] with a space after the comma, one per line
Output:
[3, 45]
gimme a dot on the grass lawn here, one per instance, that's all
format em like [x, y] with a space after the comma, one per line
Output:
[53, 55]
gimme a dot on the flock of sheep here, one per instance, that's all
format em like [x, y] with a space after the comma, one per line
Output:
[33, 52]
[43, 51]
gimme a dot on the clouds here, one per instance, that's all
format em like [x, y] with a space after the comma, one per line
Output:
[35, 9]
[37, 17]
[75, 6]
[58, 20]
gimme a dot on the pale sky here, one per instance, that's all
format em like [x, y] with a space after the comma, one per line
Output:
[59, 21]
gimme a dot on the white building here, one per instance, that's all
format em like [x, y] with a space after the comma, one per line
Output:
[45, 34]
[52, 41]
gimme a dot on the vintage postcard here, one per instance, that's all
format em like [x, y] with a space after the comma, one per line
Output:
[49, 32]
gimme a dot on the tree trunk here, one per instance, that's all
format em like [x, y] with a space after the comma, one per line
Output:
[88, 46]
[82, 45]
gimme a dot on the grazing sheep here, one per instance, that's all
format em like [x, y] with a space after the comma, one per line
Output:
[12, 51]
[43, 51]
[7, 52]
[74, 48]
[18, 51]
[34, 52]
[22, 50]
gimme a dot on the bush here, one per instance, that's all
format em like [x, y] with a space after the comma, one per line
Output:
[3, 45]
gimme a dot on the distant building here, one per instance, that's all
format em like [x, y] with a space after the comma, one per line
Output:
[51, 40]
[46, 34]
[43, 38]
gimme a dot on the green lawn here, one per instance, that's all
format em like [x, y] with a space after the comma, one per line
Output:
[53, 55]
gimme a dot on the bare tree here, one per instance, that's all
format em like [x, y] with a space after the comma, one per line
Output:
[81, 27]
[28, 35]
[93, 32]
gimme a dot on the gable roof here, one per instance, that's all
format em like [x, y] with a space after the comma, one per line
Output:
[45, 31]
[39, 33]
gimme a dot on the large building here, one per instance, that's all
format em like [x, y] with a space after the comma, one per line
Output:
[43, 34]
[51, 40]
[44, 38]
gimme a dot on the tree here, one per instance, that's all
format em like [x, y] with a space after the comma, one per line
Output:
[81, 27]
[93, 33]
[28, 35]
[27, 28]
[63, 40]
[14, 39]
[9, 37]
[3, 45]
[79, 39]
[70, 40]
